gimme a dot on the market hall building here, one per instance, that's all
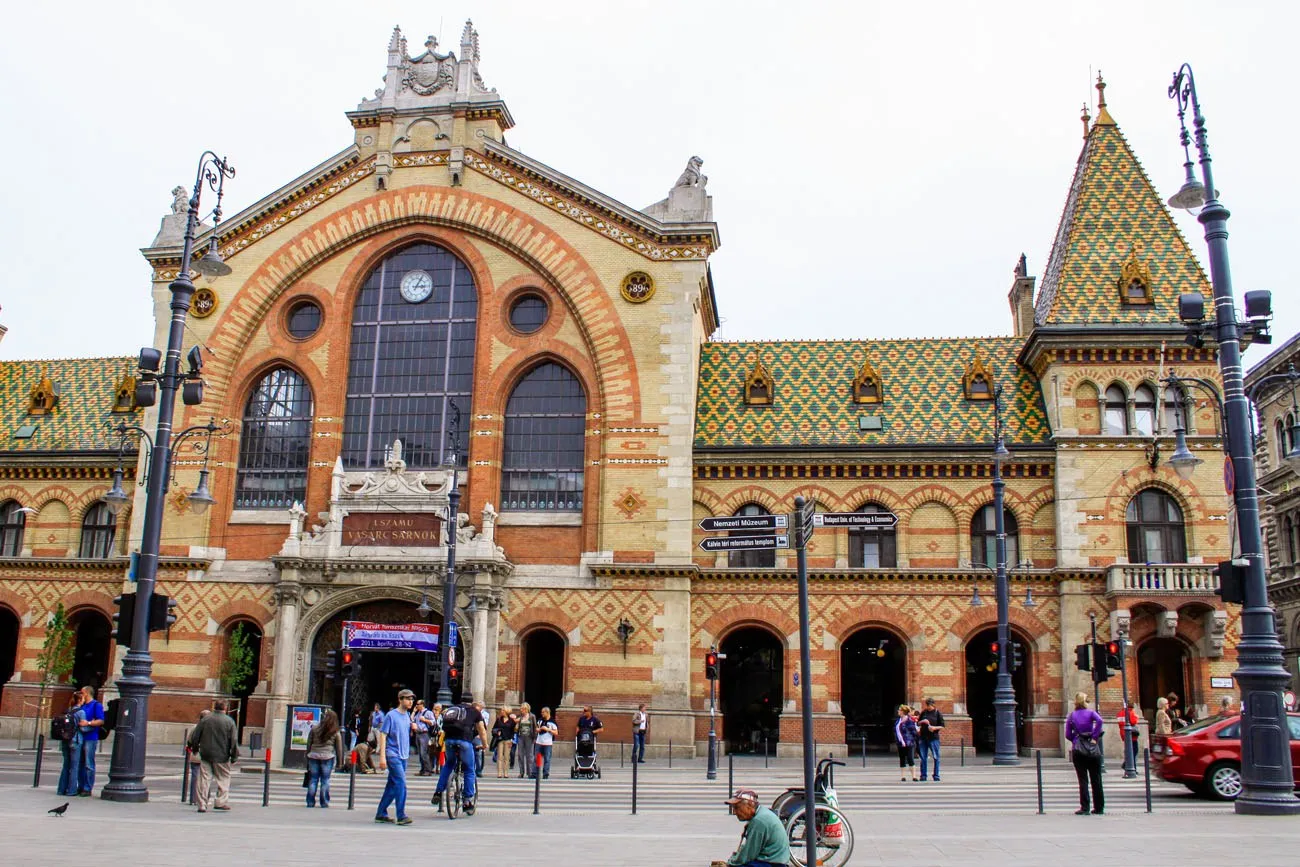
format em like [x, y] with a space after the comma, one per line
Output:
[431, 297]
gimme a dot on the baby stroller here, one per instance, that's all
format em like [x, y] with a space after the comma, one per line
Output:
[584, 757]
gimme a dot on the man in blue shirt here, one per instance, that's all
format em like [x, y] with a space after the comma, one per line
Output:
[92, 720]
[394, 749]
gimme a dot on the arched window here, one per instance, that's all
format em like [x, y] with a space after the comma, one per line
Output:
[545, 434]
[751, 559]
[1288, 437]
[275, 442]
[873, 548]
[98, 528]
[1291, 534]
[412, 355]
[984, 537]
[1279, 437]
[13, 521]
[1116, 415]
[1176, 411]
[1155, 529]
[1144, 411]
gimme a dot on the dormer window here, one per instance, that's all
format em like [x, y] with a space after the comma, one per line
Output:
[1134, 281]
[866, 385]
[44, 397]
[977, 382]
[759, 385]
[124, 394]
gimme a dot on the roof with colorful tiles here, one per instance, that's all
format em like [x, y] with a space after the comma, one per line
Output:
[78, 421]
[923, 404]
[1114, 216]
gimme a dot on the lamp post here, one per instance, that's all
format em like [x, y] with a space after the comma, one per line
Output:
[1265, 749]
[449, 580]
[1004, 694]
[126, 771]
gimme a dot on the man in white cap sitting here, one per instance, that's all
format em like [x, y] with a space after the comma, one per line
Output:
[764, 842]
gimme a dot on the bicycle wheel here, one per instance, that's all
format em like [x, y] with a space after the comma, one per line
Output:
[831, 851]
[453, 796]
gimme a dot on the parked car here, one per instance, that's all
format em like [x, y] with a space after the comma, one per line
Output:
[1206, 756]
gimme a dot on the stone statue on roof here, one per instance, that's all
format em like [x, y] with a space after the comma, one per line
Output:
[687, 201]
[691, 175]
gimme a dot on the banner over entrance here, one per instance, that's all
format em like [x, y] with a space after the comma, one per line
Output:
[361, 635]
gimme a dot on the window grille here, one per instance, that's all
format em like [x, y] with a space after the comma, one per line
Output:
[1155, 529]
[984, 537]
[545, 438]
[275, 443]
[13, 522]
[98, 528]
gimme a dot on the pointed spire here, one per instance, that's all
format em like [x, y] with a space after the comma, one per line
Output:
[1086, 118]
[1103, 116]
[396, 41]
[467, 41]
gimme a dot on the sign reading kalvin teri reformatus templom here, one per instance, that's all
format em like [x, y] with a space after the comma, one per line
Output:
[361, 635]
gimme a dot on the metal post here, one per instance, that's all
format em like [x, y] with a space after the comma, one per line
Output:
[1129, 730]
[1038, 762]
[864, 751]
[805, 683]
[731, 774]
[767, 746]
[620, 754]
[670, 752]
[963, 752]
[266, 779]
[126, 769]
[712, 771]
[1146, 769]
[40, 753]
[1096, 690]
[635, 765]
[1265, 749]
[352, 782]
[1004, 694]
[449, 590]
[185, 767]
[537, 781]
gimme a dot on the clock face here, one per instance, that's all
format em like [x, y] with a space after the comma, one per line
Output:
[416, 286]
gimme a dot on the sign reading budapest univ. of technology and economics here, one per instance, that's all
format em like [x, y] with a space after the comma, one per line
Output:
[360, 635]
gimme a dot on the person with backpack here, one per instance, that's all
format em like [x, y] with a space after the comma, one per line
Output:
[66, 729]
[526, 732]
[90, 725]
[461, 724]
[1083, 729]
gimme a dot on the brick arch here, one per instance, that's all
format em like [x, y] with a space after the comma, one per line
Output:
[977, 620]
[817, 493]
[432, 210]
[707, 499]
[859, 496]
[58, 493]
[15, 493]
[933, 493]
[15, 603]
[872, 615]
[750, 494]
[1128, 486]
[1036, 499]
[979, 499]
[538, 616]
[241, 609]
[86, 500]
[1077, 380]
[254, 367]
[83, 600]
[735, 617]
[501, 382]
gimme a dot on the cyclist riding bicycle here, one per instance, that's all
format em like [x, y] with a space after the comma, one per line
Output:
[460, 723]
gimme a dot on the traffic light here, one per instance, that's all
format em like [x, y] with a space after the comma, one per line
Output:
[332, 665]
[349, 663]
[123, 617]
[992, 664]
[1100, 672]
[1113, 656]
[1082, 657]
[1017, 655]
[1232, 579]
[711, 665]
[162, 612]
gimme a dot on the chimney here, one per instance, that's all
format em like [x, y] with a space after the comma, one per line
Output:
[1021, 299]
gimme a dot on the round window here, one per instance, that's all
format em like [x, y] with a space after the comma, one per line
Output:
[528, 313]
[304, 319]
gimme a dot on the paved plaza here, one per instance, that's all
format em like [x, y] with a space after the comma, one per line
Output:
[977, 815]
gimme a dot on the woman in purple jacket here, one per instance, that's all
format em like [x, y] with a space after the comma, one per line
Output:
[1083, 728]
[905, 740]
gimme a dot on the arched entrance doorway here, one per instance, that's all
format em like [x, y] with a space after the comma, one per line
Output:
[241, 665]
[873, 683]
[9, 626]
[750, 684]
[94, 648]
[982, 680]
[383, 672]
[1162, 669]
[543, 654]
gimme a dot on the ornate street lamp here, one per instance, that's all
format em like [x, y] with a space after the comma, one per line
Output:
[449, 581]
[1267, 783]
[126, 772]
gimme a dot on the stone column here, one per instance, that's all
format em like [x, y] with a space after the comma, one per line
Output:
[670, 687]
[288, 597]
[478, 669]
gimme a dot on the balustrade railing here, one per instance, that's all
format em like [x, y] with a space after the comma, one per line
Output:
[1162, 578]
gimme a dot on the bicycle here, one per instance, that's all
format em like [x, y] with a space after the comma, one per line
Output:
[453, 798]
[834, 835]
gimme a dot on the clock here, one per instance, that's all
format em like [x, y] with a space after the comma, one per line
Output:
[416, 286]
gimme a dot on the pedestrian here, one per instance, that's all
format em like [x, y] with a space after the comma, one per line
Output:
[481, 739]
[217, 742]
[420, 734]
[394, 748]
[905, 732]
[589, 721]
[765, 842]
[193, 756]
[462, 724]
[67, 728]
[435, 738]
[640, 725]
[546, 732]
[929, 725]
[1164, 723]
[503, 731]
[1083, 729]
[1225, 706]
[526, 734]
[324, 751]
[92, 720]
[1175, 712]
[376, 721]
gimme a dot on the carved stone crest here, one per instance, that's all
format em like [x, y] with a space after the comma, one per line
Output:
[430, 72]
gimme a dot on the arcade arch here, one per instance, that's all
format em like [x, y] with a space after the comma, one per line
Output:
[982, 680]
[873, 683]
[750, 688]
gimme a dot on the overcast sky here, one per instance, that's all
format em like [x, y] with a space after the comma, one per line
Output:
[876, 168]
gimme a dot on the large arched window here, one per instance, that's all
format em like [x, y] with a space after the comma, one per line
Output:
[13, 521]
[275, 442]
[98, 528]
[1144, 411]
[545, 436]
[873, 548]
[1155, 529]
[412, 356]
[984, 537]
[1116, 414]
[751, 559]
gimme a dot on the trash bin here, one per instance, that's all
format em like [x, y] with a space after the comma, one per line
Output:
[254, 743]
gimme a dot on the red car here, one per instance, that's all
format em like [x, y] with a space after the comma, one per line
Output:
[1206, 756]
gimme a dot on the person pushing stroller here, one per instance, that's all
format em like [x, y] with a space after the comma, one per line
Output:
[584, 755]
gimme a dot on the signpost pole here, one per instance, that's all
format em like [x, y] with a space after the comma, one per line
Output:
[805, 681]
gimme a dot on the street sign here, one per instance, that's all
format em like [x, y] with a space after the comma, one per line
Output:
[453, 634]
[881, 520]
[1229, 477]
[744, 543]
[745, 522]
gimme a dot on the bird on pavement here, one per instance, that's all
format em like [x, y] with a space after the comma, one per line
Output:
[59, 811]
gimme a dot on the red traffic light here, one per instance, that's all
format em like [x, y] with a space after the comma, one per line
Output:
[710, 658]
[1113, 647]
[993, 646]
[347, 657]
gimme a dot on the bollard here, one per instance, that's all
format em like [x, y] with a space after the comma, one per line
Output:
[1146, 769]
[731, 773]
[352, 781]
[185, 771]
[194, 782]
[634, 767]
[670, 752]
[963, 752]
[537, 782]
[766, 743]
[40, 753]
[864, 752]
[266, 780]
[620, 754]
[1038, 762]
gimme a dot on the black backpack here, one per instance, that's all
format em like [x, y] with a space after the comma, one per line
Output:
[63, 726]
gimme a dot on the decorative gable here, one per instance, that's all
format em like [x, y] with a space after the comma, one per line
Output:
[44, 397]
[124, 394]
[867, 385]
[977, 382]
[759, 385]
[1134, 281]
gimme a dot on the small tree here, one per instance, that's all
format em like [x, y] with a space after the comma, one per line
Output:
[58, 654]
[237, 669]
